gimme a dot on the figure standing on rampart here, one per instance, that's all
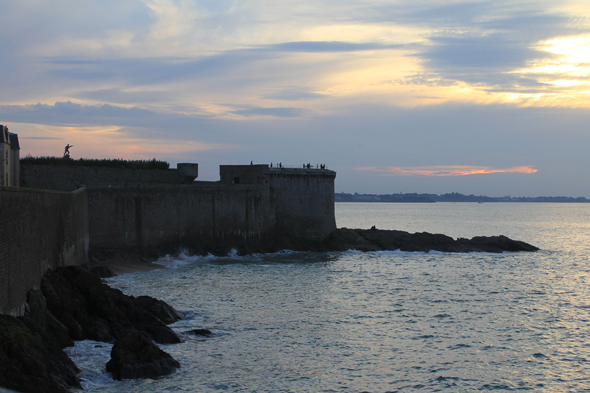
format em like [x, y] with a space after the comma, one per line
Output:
[67, 151]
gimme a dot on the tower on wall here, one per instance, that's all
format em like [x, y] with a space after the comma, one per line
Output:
[9, 158]
[302, 197]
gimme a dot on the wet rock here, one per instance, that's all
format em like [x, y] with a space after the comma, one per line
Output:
[103, 271]
[496, 244]
[380, 240]
[73, 303]
[54, 336]
[58, 331]
[158, 308]
[135, 356]
[91, 309]
[26, 363]
[200, 332]
[100, 330]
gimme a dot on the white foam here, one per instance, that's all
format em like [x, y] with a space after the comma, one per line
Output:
[233, 253]
[351, 251]
[91, 358]
[182, 259]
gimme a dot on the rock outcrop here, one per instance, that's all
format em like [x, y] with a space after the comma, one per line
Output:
[135, 356]
[74, 304]
[92, 310]
[341, 239]
[200, 332]
[30, 362]
[382, 240]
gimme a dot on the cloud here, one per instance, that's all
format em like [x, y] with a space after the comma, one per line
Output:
[481, 43]
[328, 46]
[39, 138]
[228, 63]
[120, 96]
[68, 113]
[498, 52]
[153, 70]
[457, 170]
[352, 84]
[144, 123]
[294, 94]
[275, 112]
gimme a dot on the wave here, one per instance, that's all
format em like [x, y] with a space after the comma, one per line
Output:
[183, 258]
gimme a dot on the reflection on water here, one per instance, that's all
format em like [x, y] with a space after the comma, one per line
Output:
[389, 321]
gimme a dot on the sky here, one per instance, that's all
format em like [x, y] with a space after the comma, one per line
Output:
[487, 97]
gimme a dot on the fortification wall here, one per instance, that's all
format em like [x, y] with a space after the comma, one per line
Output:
[157, 217]
[243, 174]
[40, 230]
[66, 178]
[304, 202]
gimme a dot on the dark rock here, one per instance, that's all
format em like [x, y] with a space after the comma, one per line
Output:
[158, 308]
[58, 331]
[103, 271]
[27, 365]
[64, 302]
[73, 303]
[75, 331]
[497, 244]
[377, 240]
[36, 307]
[100, 330]
[200, 332]
[135, 356]
[54, 337]
[91, 309]
[42, 321]
[344, 239]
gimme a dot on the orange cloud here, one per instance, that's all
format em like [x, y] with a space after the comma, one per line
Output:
[442, 170]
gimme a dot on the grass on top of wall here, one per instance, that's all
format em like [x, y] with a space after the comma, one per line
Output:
[105, 162]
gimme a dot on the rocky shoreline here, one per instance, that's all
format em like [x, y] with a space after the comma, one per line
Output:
[342, 239]
[74, 304]
[388, 240]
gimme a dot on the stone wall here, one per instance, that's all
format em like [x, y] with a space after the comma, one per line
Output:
[251, 206]
[303, 197]
[243, 174]
[14, 160]
[157, 218]
[40, 230]
[69, 178]
[304, 202]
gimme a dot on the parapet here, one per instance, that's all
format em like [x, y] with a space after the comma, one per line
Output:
[188, 171]
[260, 173]
[243, 174]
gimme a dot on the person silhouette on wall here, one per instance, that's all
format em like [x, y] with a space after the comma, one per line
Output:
[67, 151]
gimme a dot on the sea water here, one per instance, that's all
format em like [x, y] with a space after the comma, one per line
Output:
[381, 321]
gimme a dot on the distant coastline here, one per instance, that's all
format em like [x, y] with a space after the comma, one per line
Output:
[452, 197]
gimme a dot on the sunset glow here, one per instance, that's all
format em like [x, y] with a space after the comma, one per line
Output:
[349, 84]
[458, 170]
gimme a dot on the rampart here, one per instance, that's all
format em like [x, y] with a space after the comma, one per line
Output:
[252, 207]
[40, 230]
[159, 218]
[69, 178]
[304, 202]
[303, 198]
